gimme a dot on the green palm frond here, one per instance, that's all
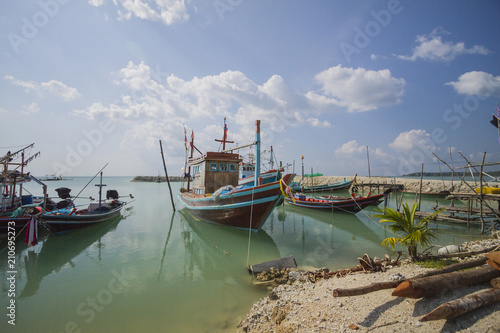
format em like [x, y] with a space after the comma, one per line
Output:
[406, 229]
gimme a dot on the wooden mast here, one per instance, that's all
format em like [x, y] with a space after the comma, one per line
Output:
[257, 162]
[191, 156]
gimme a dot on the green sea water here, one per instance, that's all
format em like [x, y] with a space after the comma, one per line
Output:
[153, 270]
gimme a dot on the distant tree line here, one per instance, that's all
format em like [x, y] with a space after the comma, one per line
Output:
[448, 174]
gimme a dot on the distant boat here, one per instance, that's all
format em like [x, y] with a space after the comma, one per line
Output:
[267, 177]
[65, 216]
[342, 185]
[215, 196]
[53, 178]
[336, 204]
[158, 179]
[247, 172]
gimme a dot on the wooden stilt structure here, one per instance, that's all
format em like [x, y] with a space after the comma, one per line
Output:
[479, 205]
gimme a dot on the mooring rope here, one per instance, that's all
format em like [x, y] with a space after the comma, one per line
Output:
[250, 229]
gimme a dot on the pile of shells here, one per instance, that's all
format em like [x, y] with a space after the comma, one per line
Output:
[275, 277]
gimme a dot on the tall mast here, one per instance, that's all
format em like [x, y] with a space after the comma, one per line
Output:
[191, 156]
[257, 162]
[224, 137]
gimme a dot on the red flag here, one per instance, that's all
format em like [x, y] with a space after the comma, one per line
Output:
[31, 232]
[192, 138]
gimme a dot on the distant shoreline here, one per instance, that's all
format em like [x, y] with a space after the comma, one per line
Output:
[152, 179]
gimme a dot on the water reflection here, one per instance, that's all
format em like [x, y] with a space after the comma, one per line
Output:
[59, 250]
[215, 250]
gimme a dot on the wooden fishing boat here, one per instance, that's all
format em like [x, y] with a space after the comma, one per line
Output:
[337, 186]
[67, 217]
[214, 195]
[336, 204]
[247, 172]
[267, 177]
[13, 218]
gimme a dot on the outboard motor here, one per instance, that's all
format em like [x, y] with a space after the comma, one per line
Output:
[63, 192]
[112, 194]
[63, 204]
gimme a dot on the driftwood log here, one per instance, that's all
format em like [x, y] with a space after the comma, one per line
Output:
[433, 285]
[393, 284]
[463, 254]
[463, 305]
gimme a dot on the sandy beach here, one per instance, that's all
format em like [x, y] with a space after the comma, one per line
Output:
[306, 307]
[410, 184]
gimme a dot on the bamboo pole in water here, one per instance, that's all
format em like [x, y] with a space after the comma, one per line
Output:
[166, 175]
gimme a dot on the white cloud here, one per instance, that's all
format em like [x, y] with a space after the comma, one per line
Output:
[413, 140]
[30, 109]
[477, 83]
[315, 122]
[431, 47]
[54, 87]
[358, 89]
[349, 148]
[226, 94]
[96, 3]
[166, 11]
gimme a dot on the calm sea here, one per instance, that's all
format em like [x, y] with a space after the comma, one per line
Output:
[155, 271]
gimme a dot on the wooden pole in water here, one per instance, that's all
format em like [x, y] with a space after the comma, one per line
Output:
[420, 191]
[368, 157]
[452, 174]
[481, 194]
[166, 175]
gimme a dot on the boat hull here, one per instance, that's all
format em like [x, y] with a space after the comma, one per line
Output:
[350, 205]
[325, 188]
[244, 209]
[16, 224]
[65, 223]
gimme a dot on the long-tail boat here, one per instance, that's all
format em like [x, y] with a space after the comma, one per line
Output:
[66, 217]
[336, 204]
[213, 194]
[337, 186]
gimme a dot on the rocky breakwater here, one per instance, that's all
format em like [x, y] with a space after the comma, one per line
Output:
[410, 185]
[153, 179]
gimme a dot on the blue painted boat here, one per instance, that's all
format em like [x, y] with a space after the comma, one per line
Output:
[214, 195]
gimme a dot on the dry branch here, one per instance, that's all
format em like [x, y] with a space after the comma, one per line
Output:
[433, 285]
[393, 284]
[463, 305]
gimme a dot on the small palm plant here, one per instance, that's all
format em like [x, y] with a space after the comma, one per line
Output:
[409, 232]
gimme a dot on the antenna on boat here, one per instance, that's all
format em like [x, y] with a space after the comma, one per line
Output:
[224, 136]
[100, 191]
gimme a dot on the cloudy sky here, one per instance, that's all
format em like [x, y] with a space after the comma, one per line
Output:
[101, 81]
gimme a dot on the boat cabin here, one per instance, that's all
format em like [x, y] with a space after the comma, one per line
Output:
[247, 170]
[214, 170]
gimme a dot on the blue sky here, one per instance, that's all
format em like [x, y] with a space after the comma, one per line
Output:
[101, 81]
